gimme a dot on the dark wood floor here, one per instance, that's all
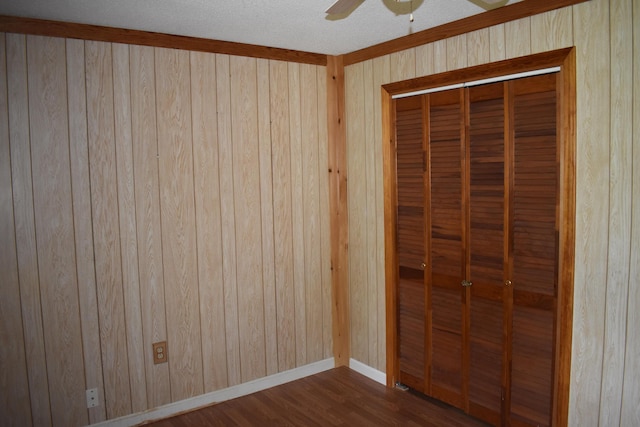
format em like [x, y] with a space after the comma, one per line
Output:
[338, 397]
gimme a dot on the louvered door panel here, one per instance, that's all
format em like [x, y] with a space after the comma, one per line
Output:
[410, 243]
[445, 245]
[534, 248]
[486, 247]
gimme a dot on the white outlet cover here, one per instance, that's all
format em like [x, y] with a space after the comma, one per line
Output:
[92, 398]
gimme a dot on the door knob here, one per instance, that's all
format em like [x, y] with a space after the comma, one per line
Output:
[466, 283]
[423, 265]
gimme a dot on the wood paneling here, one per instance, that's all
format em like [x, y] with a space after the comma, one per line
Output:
[177, 211]
[591, 28]
[79, 156]
[25, 233]
[151, 197]
[207, 199]
[246, 184]
[13, 407]
[49, 131]
[620, 210]
[104, 211]
[145, 165]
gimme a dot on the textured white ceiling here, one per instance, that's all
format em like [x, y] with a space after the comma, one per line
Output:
[290, 24]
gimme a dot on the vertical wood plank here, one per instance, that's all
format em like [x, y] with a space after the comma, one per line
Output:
[311, 210]
[517, 38]
[104, 204]
[297, 218]
[356, 158]
[128, 225]
[81, 188]
[591, 28]
[439, 58]
[246, 183]
[208, 221]
[620, 205]
[370, 95]
[478, 47]
[325, 223]
[147, 192]
[404, 64]
[338, 206]
[457, 52]
[381, 75]
[225, 150]
[54, 224]
[497, 49]
[266, 206]
[631, 385]
[15, 405]
[177, 210]
[283, 248]
[552, 30]
[25, 233]
[424, 60]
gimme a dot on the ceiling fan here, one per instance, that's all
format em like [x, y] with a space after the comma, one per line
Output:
[342, 7]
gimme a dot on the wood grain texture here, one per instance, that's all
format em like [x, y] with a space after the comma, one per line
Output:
[424, 60]
[25, 233]
[104, 210]
[246, 184]
[208, 221]
[128, 225]
[591, 27]
[439, 57]
[325, 222]
[282, 227]
[497, 47]
[147, 192]
[381, 76]
[369, 220]
[225, 151]
[79, 158]
[630, 412]
[517, 38]
[54, 224]
[357, 193]
[12, 24]
[177, 209]
[552, 30]
[338, 205]
[311, 211]
[15, 408]
[404, 64]
[478, 43]
[266, 206]
[621, 197]
[472, 23]
[457, 52]
[297, 214]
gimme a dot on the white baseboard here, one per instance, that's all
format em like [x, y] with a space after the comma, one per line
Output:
[220, 395]
[368, 371]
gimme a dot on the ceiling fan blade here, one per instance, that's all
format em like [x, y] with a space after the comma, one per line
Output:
[342, 6]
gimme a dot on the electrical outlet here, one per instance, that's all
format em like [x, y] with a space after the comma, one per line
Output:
[92, 398]
[160, 352]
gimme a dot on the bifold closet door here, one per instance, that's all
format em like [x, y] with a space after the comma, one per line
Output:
[410, 243]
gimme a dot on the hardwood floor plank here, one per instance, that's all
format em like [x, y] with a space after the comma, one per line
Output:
[338, 397]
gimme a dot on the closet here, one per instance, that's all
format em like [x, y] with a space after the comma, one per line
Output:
[477, 220]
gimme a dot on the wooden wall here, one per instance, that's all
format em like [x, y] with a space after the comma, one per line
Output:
[605, 376]
[150, 194]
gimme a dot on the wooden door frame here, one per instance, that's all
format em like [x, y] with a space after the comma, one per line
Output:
[565, 59]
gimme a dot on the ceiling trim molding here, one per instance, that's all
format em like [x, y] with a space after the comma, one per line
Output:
[40, 27]
[497, 16]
